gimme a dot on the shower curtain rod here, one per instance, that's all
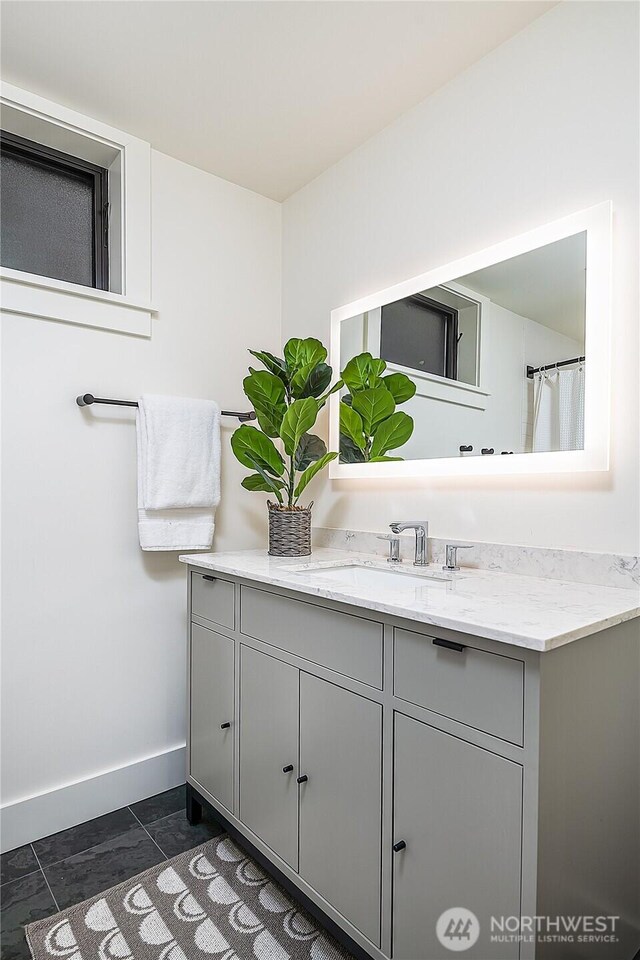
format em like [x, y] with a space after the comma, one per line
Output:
[86, 399]
[552, 366]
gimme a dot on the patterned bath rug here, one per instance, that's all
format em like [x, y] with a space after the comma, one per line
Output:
[213, 901]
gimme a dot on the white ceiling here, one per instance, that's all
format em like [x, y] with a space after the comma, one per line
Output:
[265, 94]
[547, 285]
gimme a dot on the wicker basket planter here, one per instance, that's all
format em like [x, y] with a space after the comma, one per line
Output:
[289, 530]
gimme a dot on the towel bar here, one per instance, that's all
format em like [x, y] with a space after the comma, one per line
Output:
[86, 399]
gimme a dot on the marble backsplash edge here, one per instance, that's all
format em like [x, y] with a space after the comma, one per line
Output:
[603, 569]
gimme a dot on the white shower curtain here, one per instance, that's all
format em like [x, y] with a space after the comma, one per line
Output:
[558, 420]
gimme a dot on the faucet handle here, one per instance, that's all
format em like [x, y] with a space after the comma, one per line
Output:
[451, 555]
[394, 547]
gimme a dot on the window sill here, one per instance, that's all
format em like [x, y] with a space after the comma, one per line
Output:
[26, 294]
[441, 388]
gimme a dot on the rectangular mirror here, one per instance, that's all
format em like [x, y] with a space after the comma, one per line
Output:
[497, 363]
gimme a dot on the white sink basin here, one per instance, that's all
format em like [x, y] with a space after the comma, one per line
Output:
[356, 575]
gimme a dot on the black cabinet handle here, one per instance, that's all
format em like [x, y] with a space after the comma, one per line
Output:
[225, 726]
[288, 768]
[449, 644]
[466, 448]
[487, 451]
[303, 778]
[400, 845]
[210, 579]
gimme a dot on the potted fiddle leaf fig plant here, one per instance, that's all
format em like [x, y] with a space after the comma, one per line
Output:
[370, 425]
[287, 397]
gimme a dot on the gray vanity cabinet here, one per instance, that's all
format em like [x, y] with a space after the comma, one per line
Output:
[269, 704]
[458, 809]
[391, 770]
[340, 804]
[212, 713]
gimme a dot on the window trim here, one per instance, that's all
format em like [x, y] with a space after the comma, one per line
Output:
[13, 145]
[126, 307]
[431, 385]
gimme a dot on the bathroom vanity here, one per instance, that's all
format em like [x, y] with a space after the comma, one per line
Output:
[397, 743]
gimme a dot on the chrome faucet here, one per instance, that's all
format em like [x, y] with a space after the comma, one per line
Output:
[451, 555]
[421, 528]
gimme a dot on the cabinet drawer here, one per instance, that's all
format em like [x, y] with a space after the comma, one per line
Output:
[483, 690]
[213, 599]
[344, 643]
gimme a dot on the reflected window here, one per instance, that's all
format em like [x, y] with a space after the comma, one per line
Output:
[420, 333]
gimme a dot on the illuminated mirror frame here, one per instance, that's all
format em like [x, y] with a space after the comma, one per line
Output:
[596, 222]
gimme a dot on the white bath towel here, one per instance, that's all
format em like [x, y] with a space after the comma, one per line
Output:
[178, 472]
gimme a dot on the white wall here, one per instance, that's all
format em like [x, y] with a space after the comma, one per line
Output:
[94, 630]
[553, 119]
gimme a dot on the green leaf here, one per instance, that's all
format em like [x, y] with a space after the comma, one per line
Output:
[351, 425]
[384, 459]
[266, 392]
[273, 364]
[292, 353]
[299, 380]
[272, 484]
[391, 433]
[299, 353]
[337, 386]
[314, 381]
[401, 387]
[356, 373]
[373, 406]
[378, 367]
[310, 449]
[311, 471]
[298, 419]
[263, 483]
[349, 452]
[254, 449]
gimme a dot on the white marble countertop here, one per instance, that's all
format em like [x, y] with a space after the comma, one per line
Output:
[529, 612]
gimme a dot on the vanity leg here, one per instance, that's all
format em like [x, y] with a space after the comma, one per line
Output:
[194, 807]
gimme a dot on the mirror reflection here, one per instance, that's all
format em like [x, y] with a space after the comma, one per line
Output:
[488, 364]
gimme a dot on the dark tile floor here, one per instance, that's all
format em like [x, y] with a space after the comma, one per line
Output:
[49, 875]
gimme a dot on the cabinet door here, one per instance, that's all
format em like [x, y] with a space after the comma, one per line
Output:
[458, 810]
[211, 753]
[340, 804]
[269, 744]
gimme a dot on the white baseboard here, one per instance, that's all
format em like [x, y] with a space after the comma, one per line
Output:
[43, 814]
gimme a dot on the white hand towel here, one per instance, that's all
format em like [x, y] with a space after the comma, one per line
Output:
[178, 472]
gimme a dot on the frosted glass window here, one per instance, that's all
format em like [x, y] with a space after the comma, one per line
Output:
[52, 214]
[419, 333]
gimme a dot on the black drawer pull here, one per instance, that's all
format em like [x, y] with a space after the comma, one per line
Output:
[303, 778]
[210, 579]
[449, 644]
[487, 451]
[288, 768]
[400, 845]
[225, 726]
